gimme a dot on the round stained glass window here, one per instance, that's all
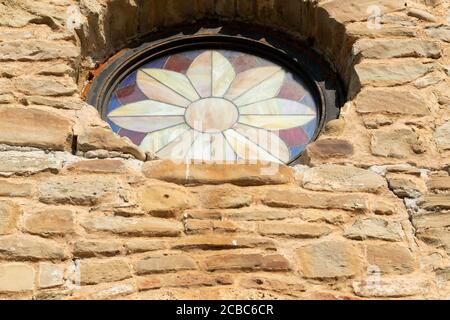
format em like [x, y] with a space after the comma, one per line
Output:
[215, 105]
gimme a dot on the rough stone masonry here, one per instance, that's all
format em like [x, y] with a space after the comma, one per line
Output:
[85, 214]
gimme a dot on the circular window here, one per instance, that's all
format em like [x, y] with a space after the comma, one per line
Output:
[215, 99]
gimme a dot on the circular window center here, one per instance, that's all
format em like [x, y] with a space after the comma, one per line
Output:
[212, 115]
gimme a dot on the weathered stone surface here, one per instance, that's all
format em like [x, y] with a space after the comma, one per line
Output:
[189, 279]
[292, 198]
[397, 143]
[433, 220]
[94, 272]
[435, 183]
[99, 138]
[285, 285]
[45, 86]
[234, 262]
[390, 258]
[30, 248]
[406, 187]
[214, 173]
[222, 242]
[28, 127]
[295, 230]
[435, 202]
[96, 248]
[78, 190]
[329, 148]
[329, 259]
[98, 166]
[28, 163]
[397, 48]
[223, 197]
[16, 277]
[205, 226]
[421, 14]
[164, 264]
[37, 50]
[361, 30]
[439, 32]
[386, 74]
[342, 178]
[50, 222]
[50, 275]
[163, 199]
[15, 189]
[442, 136]
[9, 214]
[143, 245]
[389, 101]
[436, 236]
[373, 228]
[65, 103]
[390, 288]
[150, 227]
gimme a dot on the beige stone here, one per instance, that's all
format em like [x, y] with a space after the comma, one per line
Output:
[34, 128]
[397, 143]
[329, 259]
[439, 32]
[439, 183]
[329, 148]
[143, 245]
[9, 214]
[373, 228]
[292, 229]
[187, 279]
[96, 248]
[223, 197]
[98, 166]
[391, 258]
[50, 275]
[435, 202]
[390, 287]
[436, 236]
[50, 222]
[442, 136]
[342, 178]
[45, 86]
[16, 277]
[150, 227]
[15, 189]
[164, 264]
[161, 199]
[214, 173]
[95, 272]
[397, 48]
[29, 163]
[406, 186]
[433, 220]
[234, 262]
[14, 247]
[36, 50]
[219, 242]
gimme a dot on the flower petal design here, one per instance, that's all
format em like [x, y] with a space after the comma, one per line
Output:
[157, 140]
[200, 74]
[179, 148]
[155, 90]
[247, 149]
[147, 108]
[211, 147]
[249, 79]
[276, 107]
[267, 140]
[277, 122]
[147, 124]
[223, 74]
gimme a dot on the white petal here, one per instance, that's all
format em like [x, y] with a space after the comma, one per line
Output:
[157, 140]
[147, 124]
[200, 74]
[276, 122]
[147, 108]
[179, 148]
[223, 74]
[276, 107]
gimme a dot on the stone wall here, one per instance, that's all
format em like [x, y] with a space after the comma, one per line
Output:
[84, 215]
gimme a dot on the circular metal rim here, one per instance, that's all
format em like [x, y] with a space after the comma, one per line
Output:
[104, 84]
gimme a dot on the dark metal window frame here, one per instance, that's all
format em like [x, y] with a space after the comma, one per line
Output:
[308, 65]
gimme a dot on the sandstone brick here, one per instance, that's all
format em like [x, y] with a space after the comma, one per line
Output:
[67, 103]
[436, 236]
[15, 189]
[397, 48]
[342, 178]
[205, 226]
[220, 242]
[16, 277]
[45, 86]
[435, 202]
[9, 213]
[143, 245]
[390, 288]
[442, 136]
[397, 143]
[391, 258]
[36, 50]
[275, 262]
[164, 264]
[292, 229]
[281, 284]
[50, 222]
[95, 272]
[190, 279]
[28, 163]
[329, 148]
[50, 275]
[360, 30]
[291, 198]
[146, 227]
[164, 200]
[77, 190]
[439, 32]
[329, 259]
[406, 186]
[373, 228]
[98, 166]
[439, 183]
[436, 220]
[34, 128]
[15, 247]
[213, 173]
[98, 138]
[94, 248]
[389, 101]
[234, 262]
[223, 197]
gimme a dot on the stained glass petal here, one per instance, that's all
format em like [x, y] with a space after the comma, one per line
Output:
[201, 148]
[147, 108]
[247, 149]
[267, 140]
[276, 107]
[223, 74]
[179, 148]
[158, 91]
[279, 122]
[200, 74]
[269, 88]
[157, 140]
[147, 124]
